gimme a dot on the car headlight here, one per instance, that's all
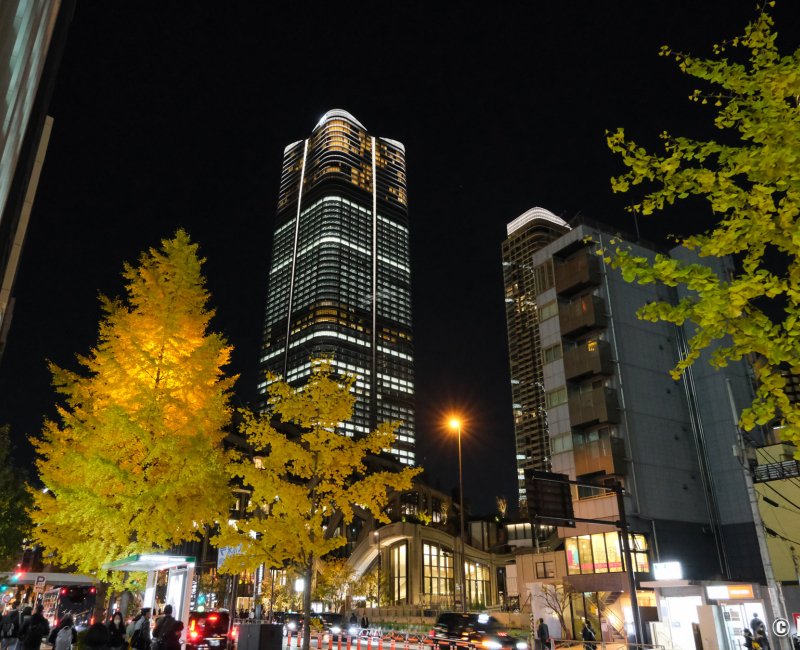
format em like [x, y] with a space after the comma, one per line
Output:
[335, 629]
[492, 645]
[353, 631]
[292, 625]
[521, 645]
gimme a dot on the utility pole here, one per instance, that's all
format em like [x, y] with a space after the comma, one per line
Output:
[774, 590]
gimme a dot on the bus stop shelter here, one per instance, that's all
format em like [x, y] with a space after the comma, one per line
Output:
[180, 576]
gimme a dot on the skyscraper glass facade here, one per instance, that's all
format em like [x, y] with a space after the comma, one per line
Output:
[340, 276]
[528, 233]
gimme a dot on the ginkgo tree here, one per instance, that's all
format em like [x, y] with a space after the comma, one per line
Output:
[305, 473]
[751, 182]
[135, 460]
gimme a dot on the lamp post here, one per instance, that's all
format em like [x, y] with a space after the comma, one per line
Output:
[455, 424]
[380, 560]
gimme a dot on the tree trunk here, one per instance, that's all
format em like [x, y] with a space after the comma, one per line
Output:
[101, 596]
[309, 569]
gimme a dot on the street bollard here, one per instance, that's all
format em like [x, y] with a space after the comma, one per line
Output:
[339, 643]
[330, 641]
[358, 642]
[392, 646]
[349, 640]
[288, 638]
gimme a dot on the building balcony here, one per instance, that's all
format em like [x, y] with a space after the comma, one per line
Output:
[595, 407]
[583, 315]
[576, 273]
[604, 455]
[589, 359]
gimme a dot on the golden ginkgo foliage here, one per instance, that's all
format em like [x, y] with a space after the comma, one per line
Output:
[302, 480]
[750, 180]
[135, 460]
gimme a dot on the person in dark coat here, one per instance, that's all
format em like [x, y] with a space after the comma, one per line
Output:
[67, 621]
[748, 638]
[140, 635]
[756, 623]
[34, 629]
[542, 635]
[587, 634]
[364, 621]
[116, 628]
[98, 637]
[168, 630]
[761, 638]
[9, 628]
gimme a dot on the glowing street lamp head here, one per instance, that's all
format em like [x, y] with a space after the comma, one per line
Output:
[454, 423]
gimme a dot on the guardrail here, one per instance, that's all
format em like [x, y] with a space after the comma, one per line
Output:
[578, 644]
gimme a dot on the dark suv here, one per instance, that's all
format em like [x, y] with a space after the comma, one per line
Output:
[209, 630]
[472, 631]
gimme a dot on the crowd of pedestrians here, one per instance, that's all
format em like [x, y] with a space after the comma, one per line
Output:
[27, 629]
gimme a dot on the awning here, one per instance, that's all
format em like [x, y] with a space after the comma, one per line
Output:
[149, 562]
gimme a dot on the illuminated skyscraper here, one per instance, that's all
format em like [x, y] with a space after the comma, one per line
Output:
[340, 277]
[527, 234]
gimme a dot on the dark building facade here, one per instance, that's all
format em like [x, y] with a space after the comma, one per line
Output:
[527, 234]
[340, 276]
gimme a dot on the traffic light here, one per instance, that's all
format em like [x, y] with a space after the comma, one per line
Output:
[17, 576]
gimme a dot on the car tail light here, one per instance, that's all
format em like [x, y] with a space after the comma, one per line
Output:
[64, 591]
[234, 632]
[91, 621]
[194, 635]
[213, 617]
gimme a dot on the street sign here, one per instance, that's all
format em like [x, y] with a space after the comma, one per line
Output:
[549, 498]
[38, 587]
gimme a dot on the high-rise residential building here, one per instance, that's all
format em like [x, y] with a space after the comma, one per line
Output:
[614, 416]
[527, 234]
[340, 276]
[32, 39]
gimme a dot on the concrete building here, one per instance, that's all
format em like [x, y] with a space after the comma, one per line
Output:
[32, 38]
[614, 415]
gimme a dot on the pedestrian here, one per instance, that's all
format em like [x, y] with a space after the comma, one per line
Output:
[140, 633]
[9, 628]
[748, 639]
[364, 621]
[34, 628]
[64, 636]
[756, 623]
[167, 631]
[542, 635]
[98, 636]
[117, 632]
[760, 637]
[588, 636]
[353, 619]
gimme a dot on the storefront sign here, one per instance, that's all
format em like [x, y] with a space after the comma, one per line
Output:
[730, 592]
[667, 570]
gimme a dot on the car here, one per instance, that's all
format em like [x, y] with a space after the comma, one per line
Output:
[472, 631]
[210, 630]
[333, 624]
[292, 622]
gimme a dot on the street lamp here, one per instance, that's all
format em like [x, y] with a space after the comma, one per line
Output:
[378, 540]
[455, 425]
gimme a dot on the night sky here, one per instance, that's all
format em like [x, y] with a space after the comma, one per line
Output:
[173, 115]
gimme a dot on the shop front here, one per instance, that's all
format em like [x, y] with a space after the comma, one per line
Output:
[707, 614]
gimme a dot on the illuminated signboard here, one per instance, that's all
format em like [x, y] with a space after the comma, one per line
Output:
[667, 571]
[730, 592]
